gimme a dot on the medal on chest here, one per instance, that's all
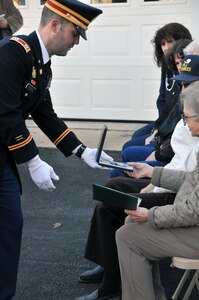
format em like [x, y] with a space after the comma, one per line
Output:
[32, 85]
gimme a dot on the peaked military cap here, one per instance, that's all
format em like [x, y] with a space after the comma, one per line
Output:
[80, 14]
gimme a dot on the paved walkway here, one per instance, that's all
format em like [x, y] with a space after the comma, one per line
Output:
[89, 132]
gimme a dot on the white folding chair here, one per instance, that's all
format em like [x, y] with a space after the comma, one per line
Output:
[188, 265]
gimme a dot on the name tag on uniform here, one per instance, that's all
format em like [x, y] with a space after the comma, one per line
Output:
[31, 88]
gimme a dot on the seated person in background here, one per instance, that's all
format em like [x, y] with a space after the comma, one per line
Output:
[101, 246]
[172, 230]
[12, 21]
[162, 41]
[160, 152]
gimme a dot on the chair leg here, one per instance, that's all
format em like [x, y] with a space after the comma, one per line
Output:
[191, 285]
[197, 280]
[181, 284]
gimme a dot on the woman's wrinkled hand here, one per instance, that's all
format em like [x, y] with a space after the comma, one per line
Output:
[139, 216]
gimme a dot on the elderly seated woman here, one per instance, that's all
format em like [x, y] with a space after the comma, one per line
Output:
[172, 230]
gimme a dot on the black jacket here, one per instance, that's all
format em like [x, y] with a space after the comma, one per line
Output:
[25, 82]
[172, 115]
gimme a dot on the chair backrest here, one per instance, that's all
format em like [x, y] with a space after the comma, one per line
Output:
[185, 263]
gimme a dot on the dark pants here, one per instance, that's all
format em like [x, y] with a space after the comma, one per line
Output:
[139, 136]
[101, 246]
[11, 223]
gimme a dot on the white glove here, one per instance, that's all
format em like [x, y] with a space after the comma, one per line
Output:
[89, 156]
[42, 173]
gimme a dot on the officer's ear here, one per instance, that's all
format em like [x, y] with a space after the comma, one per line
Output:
[55, 24]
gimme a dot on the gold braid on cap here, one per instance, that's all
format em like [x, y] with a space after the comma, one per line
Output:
[67, 13]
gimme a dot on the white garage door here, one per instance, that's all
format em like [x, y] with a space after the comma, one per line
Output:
[112, 76]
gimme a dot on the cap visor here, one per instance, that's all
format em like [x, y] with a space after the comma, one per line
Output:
[81, 31]
[185, 77]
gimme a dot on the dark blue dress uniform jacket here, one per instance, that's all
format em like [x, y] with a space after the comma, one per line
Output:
[24, 91]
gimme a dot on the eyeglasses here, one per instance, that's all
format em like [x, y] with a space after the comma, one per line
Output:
[185, 118]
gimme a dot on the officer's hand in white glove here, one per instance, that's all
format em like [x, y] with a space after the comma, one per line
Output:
[89, 156]
[42, 173]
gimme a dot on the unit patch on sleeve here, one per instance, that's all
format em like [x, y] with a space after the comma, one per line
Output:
[22, 43]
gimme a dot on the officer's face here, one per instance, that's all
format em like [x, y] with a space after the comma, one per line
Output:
[65, 37]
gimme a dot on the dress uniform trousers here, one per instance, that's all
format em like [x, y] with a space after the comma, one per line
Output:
[101, 246]
[11, 223]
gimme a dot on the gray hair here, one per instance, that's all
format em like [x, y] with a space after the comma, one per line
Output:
[190, 97]
[192, 48]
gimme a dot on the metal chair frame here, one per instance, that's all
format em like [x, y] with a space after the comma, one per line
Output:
[188, 265]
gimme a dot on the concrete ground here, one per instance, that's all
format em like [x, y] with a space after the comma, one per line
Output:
[89, 133]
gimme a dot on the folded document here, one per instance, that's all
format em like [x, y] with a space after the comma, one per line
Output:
[111, 197]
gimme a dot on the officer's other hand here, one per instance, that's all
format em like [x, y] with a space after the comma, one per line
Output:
[89, 156]
[42, 173]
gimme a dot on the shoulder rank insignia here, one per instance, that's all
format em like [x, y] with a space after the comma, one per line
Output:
[22, 43]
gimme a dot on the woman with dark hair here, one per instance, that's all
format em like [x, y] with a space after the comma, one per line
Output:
[155, 146]
[160, 152]
[162, 41]
[170, 32]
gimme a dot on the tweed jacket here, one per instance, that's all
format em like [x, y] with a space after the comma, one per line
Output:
[13, 16]
[185, 210]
